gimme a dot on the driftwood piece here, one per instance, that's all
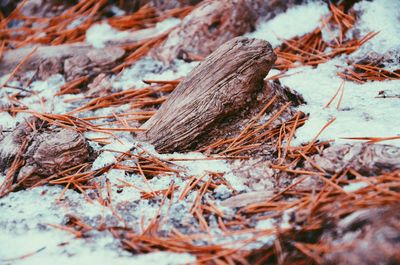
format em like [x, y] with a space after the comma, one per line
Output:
[207, 27]
[366, 159]
[225, 83]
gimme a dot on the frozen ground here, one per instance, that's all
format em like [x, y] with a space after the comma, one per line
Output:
[25, 215]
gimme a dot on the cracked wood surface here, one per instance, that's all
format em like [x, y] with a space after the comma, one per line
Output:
[224, 84]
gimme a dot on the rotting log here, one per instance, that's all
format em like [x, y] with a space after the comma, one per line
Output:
[171, 4]
[271, 8]
[224, 84]
[207, 27]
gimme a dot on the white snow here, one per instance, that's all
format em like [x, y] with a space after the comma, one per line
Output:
[296, 21]
[63, 248]
[360, 114]
[99, 34]
[199, 167]
[147, 68]
[168, 24]
[108, 156]
[6, 121]
[382, 16]
[26, 215]
[355, 186]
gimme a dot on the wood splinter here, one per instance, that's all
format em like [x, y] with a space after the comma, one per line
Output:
[224, 84]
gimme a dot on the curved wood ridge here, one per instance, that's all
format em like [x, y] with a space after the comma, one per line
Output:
[225, 83]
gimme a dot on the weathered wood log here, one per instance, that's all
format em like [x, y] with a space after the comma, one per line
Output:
[225, 83]
[207, 27]
[367, 159]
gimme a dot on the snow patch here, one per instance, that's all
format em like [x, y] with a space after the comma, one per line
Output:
[147, 68]
[99, 34]
[379, 16]
[355, 186]
[296, 21]
[361, 113]
[108, 156]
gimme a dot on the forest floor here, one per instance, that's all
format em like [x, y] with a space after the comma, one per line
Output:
[223, 204]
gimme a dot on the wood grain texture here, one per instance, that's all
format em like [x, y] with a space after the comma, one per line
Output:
[222, 85]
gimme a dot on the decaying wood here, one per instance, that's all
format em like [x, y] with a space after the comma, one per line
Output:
[207, 27]
[369, 236]
[12, 142]
[92, 63]
[48, 150]
[225, 83]
[368, 159]
[53, 151]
